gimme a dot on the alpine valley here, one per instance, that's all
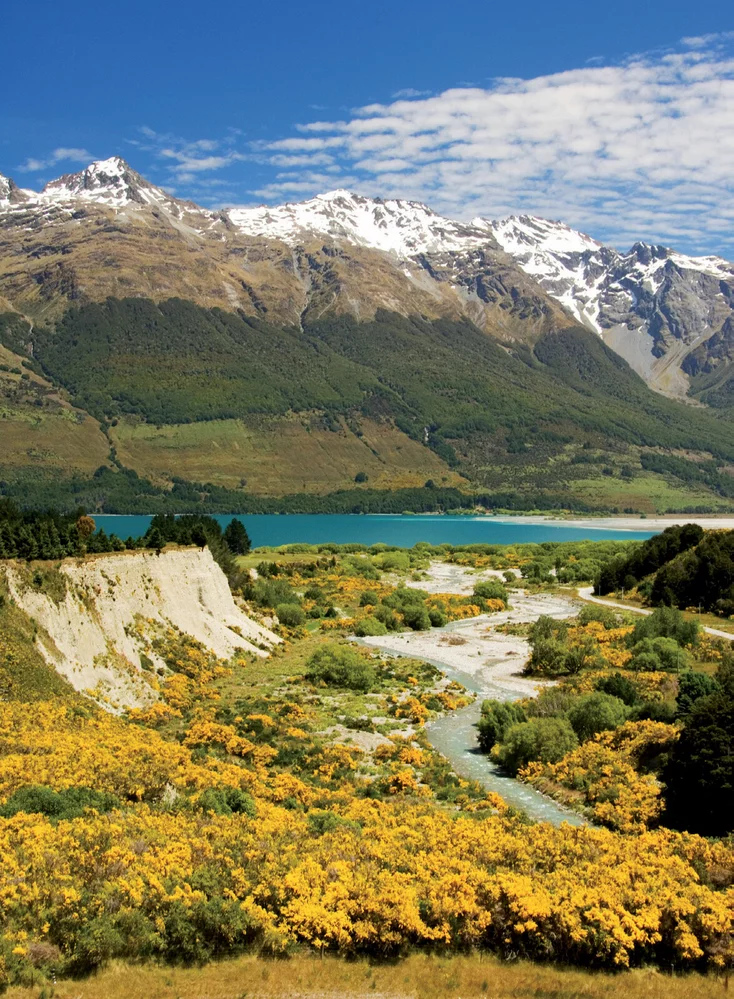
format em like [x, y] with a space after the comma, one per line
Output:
[350, 354]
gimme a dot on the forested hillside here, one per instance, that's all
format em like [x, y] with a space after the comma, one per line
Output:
[387, 403]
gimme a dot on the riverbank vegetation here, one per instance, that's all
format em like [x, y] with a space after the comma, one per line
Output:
[637, 732]
[683, 567]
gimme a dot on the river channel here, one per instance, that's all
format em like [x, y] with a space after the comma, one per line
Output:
[488, 663]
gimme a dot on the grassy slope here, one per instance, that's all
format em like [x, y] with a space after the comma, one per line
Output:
[646, 492]
[39, 429]
[24, 673]
[280, 455]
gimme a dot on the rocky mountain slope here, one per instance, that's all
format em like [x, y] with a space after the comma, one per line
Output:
[98, 622]
[655, 307]
[108, 231]
[664, 312]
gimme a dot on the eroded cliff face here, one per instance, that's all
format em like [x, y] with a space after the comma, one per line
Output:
[97, 617]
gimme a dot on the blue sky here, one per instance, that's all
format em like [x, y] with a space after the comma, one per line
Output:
[617, 118]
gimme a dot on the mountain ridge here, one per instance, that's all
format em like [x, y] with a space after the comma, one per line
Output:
[655, 306]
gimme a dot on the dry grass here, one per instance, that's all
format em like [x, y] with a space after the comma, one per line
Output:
[454, 640]
[646, 493]
[38, 428]
[418, 977]
[279, 455]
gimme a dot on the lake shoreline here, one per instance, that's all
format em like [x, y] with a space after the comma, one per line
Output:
[710, 522]
[397, 530]
[602, 523]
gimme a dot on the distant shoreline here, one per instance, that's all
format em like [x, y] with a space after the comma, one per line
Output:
[601, 523]
[710, 521]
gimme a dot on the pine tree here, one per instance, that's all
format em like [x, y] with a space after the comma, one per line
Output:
[155, 540]
[237, 538]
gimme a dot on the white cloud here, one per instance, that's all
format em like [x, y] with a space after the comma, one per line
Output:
[59, 155]
[642, 149]
[409, 92]
[187, 158]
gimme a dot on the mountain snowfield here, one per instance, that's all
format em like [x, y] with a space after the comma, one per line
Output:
[656, 307]
[404, 228]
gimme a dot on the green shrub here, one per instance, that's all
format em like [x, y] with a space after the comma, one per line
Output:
[417, 617]
[692, 686]
[325, 821]
[666, 622]
[496, 719]
[596, 713]
[273, 592]
[618, 686]
[491, 589]
[437, 617]
[227, 801]
[659, 711]
[67, 804]
[550, 702]
[341, 666]
[369, 598]
[290, 615]
[545, 739]
[387, 616]
[547, 627]
[361, 566]
[548, 657]
[405, 596]
[97, 942]
[579, 657]
[645, 662]
[397, 561]
[368, 627]
[700, 774]
[664, 651]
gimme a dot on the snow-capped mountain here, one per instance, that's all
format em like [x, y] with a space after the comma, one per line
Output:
[404, 228]
[588, 277]
[652, 304]
[656, 307]
[108, 182]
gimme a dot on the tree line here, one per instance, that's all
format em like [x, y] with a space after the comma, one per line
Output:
[48, 535]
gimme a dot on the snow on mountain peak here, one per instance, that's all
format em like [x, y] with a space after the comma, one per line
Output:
[403, 228]
[112, 182]
[10, 193]
[519, 234]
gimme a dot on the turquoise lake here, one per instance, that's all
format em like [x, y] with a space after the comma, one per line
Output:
[369, 529]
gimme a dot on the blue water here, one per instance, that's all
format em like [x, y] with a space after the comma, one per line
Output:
[369, 529]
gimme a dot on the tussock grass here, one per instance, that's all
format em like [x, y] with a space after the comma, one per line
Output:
[416, 977]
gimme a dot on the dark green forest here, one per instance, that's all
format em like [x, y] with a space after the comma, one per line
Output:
[124, 491]
[176, 363]
[682, 567]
